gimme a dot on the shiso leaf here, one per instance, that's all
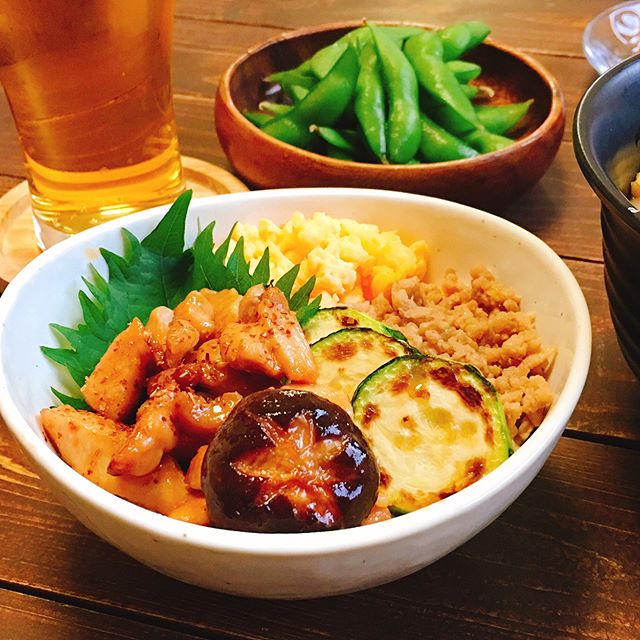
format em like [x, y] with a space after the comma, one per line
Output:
[76, 403]
[262, 272]
[308, 310]
[239, 267]
[158, 271]
[301, 296]
[167, 239]
[286, 282]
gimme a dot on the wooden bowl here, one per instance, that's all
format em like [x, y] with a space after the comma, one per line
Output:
[486, 180]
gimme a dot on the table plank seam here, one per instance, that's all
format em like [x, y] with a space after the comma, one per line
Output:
[603, 439]
[266, 25]
[115, 611]
[13, 176]
[235, 23]
[596, 261]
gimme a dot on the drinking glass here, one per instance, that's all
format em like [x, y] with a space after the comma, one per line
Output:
[612, 36]
[89, 86]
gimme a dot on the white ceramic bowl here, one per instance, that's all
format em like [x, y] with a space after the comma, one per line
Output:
[309, 564]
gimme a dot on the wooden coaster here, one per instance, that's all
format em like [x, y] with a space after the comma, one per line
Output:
[17, 239]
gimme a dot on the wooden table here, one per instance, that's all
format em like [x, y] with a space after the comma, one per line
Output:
[562, 562]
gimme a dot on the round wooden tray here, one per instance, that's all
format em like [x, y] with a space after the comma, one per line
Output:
[17, 239]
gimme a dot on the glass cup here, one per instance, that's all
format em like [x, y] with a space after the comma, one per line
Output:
[89, 86]
[612, 36]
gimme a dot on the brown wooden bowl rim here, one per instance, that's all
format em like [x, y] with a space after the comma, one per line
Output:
[556, 111]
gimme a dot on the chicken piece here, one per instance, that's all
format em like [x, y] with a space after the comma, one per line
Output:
[193, 477]
[212, 366]
[87, 441]
[193, 510]
[182, 338]
[226, 307]
[116, 386]
[153, 435]
[197, 311]
[185, 375]
[268, 338]
[337, 396]
[201, 417]
[156, 329]
[218, 377]
[209, 311]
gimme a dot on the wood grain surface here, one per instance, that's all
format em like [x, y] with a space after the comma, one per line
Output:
[33, 618]
[562, 562]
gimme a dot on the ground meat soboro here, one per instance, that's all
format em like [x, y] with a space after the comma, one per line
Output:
[479, 323]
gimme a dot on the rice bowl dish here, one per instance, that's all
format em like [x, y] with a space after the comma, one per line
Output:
[242, 560]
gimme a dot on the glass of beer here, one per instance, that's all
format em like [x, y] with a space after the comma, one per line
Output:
[89, 86]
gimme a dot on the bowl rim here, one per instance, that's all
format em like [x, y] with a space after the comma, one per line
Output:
[556, 110]
[316, 543]
[595, 174]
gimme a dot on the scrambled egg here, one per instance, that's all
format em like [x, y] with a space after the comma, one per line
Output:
[350, 259]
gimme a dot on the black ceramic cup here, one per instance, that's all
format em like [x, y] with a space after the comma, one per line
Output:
[606, 140]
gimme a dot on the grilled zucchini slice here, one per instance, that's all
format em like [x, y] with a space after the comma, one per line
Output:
[330, 320]
[346, 357]
[435, 426]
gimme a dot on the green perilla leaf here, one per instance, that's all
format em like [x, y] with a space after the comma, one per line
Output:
[159, 271]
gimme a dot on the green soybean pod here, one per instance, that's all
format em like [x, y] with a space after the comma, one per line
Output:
[323, 60]
[303, 69]
[297, 86]
[438, 145]
[439, 81]
[369, 104]
[486, 142]
[338, 154]
[324, 104]
[276, 108]
[346, 140]
[502, 118]
[259, 118]
[461, 37]
[470, 90]
[430, 43]
[464, 71]
[401, 84]
[451, 120]
[480, 91]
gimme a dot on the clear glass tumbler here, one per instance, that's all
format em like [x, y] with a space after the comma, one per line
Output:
[89, 86]
[612, 36]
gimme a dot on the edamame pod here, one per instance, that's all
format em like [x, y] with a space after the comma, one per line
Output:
[470, 90]
[303, 69]
[464, 71]
[401, 84]
[324, 104]
[259, 118]
[503, 117]
[438, 145]
[438, 80]
[451, 120]
[276, 108]
[345, 139]
[322, 61]
[479, 91]
[486, 142]
[461, 37]
[337, 154]
[369, 102]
